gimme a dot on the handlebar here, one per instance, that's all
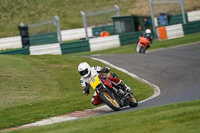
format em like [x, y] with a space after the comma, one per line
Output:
[86, 89]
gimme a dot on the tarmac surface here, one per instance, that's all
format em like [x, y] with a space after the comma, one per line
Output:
[175, 70]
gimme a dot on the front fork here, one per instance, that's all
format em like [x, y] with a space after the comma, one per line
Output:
[104, 88]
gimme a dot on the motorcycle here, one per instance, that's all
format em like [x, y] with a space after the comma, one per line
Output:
[114, 96]
[142, 45]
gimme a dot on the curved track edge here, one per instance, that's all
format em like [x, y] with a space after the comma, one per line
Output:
[90, 112]
[155, 87]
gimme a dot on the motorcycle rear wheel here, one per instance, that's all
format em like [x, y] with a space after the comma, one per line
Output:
[133, 101]
[112, 103]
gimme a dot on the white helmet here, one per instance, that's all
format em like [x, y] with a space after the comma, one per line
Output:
[148, 32]
[84, 69]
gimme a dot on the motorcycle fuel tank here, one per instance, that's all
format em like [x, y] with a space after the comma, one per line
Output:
[107, 82]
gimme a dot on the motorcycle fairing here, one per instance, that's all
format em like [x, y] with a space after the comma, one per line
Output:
[107, 82]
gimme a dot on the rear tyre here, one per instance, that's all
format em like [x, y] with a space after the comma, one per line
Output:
[112, 103]
[133, 101]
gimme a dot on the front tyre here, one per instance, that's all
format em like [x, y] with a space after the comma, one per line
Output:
[112, 103]
[142, 49]
[133, 101]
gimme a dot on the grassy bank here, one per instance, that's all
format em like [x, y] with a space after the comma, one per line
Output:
[38, 87]
[174, 118]
[12, 12]
[29, 11]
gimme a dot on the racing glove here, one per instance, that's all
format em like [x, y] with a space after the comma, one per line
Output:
[86, 90]
[105, 70]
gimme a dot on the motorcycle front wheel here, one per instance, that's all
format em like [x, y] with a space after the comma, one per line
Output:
[143, 49]
[112, 103]
[133, 101]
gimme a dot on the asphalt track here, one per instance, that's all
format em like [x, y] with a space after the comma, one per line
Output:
[175, 70]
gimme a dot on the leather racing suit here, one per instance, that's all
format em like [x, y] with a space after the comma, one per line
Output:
[95, 70]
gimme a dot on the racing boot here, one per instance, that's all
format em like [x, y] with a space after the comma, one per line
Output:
[124, 86]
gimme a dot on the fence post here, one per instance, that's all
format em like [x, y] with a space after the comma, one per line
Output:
[84, 23]
[58, 28]
[118, 10]
[152, 17]
[183, 12]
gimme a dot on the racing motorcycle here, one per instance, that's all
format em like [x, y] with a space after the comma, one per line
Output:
[114, 96]
[142, 45]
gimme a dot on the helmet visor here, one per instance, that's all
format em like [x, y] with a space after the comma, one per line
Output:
[84, 72]
[148, 34]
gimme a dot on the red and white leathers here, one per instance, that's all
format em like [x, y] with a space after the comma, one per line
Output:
[95, 72]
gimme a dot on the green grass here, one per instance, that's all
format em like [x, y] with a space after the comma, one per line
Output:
[187, 39]
[173, 118]
[38, 87]
[12, 12]
[130, 49]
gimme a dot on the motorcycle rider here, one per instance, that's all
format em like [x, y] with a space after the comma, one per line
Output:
[87, 73]
[147, 34]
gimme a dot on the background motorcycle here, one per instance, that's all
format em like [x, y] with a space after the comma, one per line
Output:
[115, 97]
[142, 45]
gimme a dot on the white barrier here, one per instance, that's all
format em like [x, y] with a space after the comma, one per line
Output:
[104, 42]
[45, 49]
[10, 42]
[193, 16]
[72, 34]
[175, 31]
[75, 33]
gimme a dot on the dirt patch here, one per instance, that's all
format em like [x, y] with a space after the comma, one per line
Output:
[82, 114]
[68, 117]
[4, 76]
[60, 66]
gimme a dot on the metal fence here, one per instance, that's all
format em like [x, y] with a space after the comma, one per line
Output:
[44, 32]
[103, 17]
[152, 3]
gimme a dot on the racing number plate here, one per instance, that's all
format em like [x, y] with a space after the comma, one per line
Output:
[95, 82]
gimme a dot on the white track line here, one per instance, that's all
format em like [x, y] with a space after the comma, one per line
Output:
[105, 108]
[49, 121]
[155, 87]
